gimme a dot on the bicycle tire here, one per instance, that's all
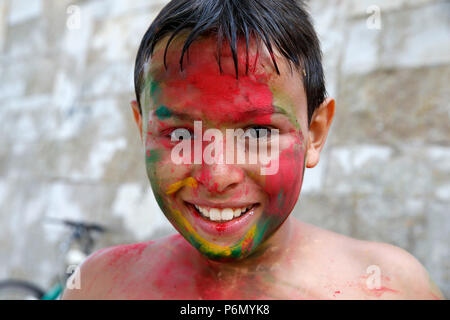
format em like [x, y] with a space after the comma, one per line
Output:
[20, 290]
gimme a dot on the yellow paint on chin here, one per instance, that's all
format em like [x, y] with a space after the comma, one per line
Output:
[207, 246]
[188, 182]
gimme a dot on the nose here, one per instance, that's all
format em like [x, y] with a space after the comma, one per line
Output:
[219, 178]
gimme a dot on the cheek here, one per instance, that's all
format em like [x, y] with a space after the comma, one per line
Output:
[161, 170]
[164, 172]
[283, 188]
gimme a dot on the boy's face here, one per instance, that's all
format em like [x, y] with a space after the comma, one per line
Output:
[261, 99]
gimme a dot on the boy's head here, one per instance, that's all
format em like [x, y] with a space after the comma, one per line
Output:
[253, 66]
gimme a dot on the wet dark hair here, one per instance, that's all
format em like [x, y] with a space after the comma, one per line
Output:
[281, 24]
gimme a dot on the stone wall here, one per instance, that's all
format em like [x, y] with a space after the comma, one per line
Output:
[70, 149]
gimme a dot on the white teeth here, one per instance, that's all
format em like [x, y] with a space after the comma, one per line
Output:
[214, 214]
[225, 214]
[205, 212]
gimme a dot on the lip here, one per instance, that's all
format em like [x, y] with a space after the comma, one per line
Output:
[232, 205]
[228, 228]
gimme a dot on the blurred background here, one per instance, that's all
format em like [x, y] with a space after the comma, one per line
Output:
[70, 148]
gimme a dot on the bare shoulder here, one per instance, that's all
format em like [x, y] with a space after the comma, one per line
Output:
[405, 275]
[369, 270]
[97, 275]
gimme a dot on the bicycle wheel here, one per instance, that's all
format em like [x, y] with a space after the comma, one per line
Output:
[19, 290]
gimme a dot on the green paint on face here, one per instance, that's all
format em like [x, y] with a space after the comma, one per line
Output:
[240, 250]
[280, 198]
[262, 229]
[150, 89]
[159, 199]
[145, 96]
[282, 99]
[153, 87]
[152, 156]
[163, 113]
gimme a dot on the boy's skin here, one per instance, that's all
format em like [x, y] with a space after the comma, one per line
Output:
[275, 256]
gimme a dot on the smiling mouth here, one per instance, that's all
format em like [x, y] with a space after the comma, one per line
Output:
[221, 215]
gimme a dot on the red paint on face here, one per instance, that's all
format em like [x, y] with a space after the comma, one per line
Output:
[217, 97]
[222, 101]
[205, 178]
[283, 188]
[247, 245]
[220, 227]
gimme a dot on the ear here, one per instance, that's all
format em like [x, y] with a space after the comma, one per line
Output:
[137, 116]
[318, 131]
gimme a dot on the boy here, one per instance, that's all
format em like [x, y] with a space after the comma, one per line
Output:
[252, 67]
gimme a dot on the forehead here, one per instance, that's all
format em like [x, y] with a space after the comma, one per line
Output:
[205, 88]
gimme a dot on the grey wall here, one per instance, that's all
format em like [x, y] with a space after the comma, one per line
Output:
[69, 147]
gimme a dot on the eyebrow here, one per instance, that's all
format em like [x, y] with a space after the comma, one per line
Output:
[248, 113]
[172, 114]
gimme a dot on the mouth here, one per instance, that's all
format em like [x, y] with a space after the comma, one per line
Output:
[221, 215]
[223, 220]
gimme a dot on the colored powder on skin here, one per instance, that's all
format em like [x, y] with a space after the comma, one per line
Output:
[163, 113]
[212, 250]
[169, 279]
[435, 297]
[282, 99]
[158, 197]
[204, 177]
[247, 245]
[379, 292]
[152, 156]
[188, 182]
[153, 87]
[147, 91]
[281, 198]
[284, 187]
[221, 97]
[98, 252]
[150, 89]
[133, 250]
[220, 227]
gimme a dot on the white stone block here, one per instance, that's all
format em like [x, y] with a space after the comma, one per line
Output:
[361, 52]
[417, 37]
[359, 7]
[21, 10]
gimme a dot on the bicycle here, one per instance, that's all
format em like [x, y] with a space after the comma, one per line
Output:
[75, 250]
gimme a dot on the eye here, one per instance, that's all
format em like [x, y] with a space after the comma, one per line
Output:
[258, 132]
[179, 134]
